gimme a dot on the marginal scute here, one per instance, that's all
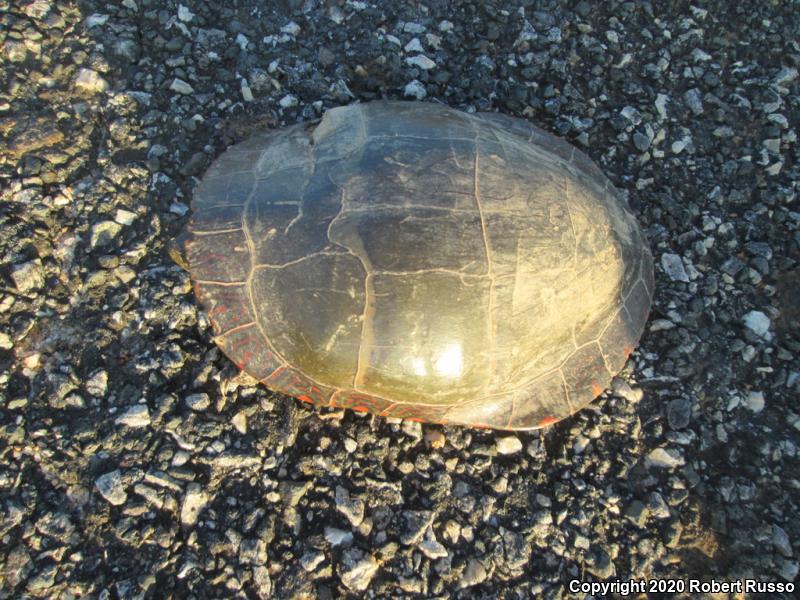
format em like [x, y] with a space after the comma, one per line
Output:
[224, 190]
[222, 257]
[249, 350]
[217, 219]
[228, 306]
[414, 261]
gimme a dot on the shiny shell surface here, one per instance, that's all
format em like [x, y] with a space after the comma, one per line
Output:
[415, 261]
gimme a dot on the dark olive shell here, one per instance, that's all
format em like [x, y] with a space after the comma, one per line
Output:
[414, 261]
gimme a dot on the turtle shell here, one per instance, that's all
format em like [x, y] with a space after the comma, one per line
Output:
[415, 261]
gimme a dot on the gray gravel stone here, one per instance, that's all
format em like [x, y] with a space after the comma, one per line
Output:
[97, 384]
[90, 81]
[641, 141]
[431, 547]
[136, 416]
[416, 524]
[623, 389]
[198, 402]
[111, 487]
[415, 89]
[780, 539]
[104, 232]
[600, 564]
[788, 570]
[694, 101]
[421, 61]
[657, 506]
[357, 569]
[679, 413]
[665, 458]
[338, 537]
[18, 566]
[516, 549]
[754, 400]
[351, 508]
[194, 501]
[288, 101]
[181, 87]
[637, 513]
[28, 276]
[757, 322]
[508, 445]
[311, 560]
[473, 574]
[673, 267]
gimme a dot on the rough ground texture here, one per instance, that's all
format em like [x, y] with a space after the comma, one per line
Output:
[137, 462]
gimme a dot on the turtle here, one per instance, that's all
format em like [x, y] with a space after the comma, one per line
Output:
[416, 261]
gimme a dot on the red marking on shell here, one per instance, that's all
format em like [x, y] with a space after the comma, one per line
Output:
[248, 356]
[219, 309]
[628, 350]
[305, 399]
[360, 408]
[317, 395]
[245, 341]
[366, 402]
[417, 419]
[547, 421]
[273, 377]
[293, 383]
[597, 389]
[480, 425]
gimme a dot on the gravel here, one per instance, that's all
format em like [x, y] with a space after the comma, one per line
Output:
[757, 322]
[138, 462]
[508, 445]
[111, 487]
[135, 416]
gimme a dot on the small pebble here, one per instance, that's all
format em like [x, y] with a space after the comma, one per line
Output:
[136, 416]
[28, 276]
[508, 445]
[90, 81]
[673, 267]
[414, 46]
[357, 569]
[180, 86]
[288, 101]
[198, 402]
[239, 421]
[757, 322]
[665, 458]
[194, 502]
[338, 537]
[754, 400]
[111, 487]
[421, 61]
[415, 89]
